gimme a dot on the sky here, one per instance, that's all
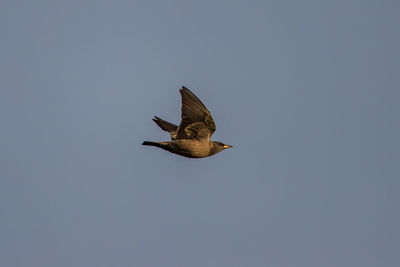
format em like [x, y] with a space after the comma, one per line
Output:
[306, 92]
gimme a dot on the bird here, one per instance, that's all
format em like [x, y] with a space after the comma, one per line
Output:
[192, 138]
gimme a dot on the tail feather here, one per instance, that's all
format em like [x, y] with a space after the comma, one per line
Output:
[163, 145]
[148, 143]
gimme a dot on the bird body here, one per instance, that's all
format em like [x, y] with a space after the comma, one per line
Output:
[192, 138]
[187, 147]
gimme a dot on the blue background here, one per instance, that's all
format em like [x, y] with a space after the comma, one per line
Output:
[307, 92]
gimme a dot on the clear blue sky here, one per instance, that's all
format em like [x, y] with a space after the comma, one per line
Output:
[307, 92]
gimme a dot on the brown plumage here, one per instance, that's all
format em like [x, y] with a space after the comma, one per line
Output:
[192, 138]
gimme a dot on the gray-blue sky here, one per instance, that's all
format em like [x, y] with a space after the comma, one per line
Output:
[307, 92]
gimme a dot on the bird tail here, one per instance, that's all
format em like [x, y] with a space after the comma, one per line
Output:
[156, 144]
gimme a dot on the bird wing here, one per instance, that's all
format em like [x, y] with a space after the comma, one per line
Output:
[166, 126]
[197, 122]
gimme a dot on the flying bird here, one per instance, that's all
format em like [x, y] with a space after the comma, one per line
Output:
[192, 138]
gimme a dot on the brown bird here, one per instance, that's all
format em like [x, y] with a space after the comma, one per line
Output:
[192, 138]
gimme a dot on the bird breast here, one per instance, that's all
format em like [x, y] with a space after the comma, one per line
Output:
[192, 148]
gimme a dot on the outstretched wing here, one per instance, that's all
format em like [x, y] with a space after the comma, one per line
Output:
[166, 126]
[197, 122]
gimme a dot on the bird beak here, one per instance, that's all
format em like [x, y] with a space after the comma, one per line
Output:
[226, 146]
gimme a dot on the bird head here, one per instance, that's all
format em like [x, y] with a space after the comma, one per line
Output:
[218, 146]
